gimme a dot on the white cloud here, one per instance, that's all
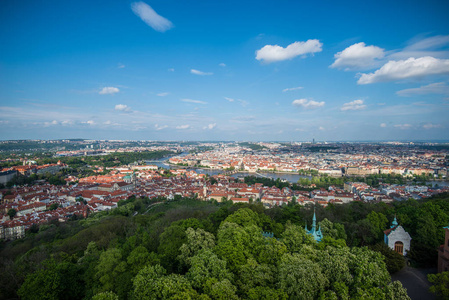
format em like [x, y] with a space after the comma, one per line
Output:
[293, 89]
[121, 66]
[242, 102]
[272, 53]
[183, 127]
[321, 128]
[430, 46]
[406, 69]
[171, 70]
[54, 122]
[308, 104]
[430, 43]
[197, 72]
[357, 56]
[109, 90]
[122, 107]
[90, 122]
[210, 126]
[66, 123]
[222, 65]
[160, 127]
[403, 126]
[353, 105]
[163, 94]
[193, 101]
[433, 88]
[149, 16]
[383, 125]
[431, 126]
[108, 122]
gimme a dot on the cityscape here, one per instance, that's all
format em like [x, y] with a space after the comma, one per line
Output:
[224, 150]
[216, 171]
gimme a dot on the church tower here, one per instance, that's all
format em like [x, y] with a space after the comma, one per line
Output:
[317, 235]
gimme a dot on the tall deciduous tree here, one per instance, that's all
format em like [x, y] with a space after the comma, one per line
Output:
[196, 240]
[300, 277]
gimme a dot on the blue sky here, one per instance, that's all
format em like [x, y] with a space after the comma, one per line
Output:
[224, 70]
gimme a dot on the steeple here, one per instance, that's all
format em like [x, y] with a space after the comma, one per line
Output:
[314, 221]
[394, 223]
[317, 235]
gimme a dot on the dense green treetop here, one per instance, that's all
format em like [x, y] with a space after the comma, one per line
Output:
[192, 249]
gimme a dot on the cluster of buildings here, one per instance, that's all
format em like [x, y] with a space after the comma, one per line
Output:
[80, 196]
[103, 192]
[340, 160]
[28, 168]
[104, 150]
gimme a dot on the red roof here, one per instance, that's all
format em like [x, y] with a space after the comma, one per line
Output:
[388, 231]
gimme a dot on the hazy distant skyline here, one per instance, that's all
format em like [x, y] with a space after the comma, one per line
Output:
[224, 70]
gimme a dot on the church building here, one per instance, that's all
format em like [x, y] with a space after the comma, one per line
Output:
[317, 235]
[397, 238]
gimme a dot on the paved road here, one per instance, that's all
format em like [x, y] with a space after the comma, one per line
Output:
[151, 206]
[415, 281]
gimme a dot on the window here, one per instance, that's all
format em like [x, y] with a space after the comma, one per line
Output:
[399, 247]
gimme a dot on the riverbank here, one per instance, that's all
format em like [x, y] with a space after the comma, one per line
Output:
[292, 177]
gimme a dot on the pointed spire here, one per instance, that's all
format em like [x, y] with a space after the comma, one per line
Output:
[394, 223]
[314, 221]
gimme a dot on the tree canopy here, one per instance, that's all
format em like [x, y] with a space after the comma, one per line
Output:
[192, 249]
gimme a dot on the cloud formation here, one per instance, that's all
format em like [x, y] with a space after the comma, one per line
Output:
[109, 90]
[273, 53]
[293, 89]
[182, 127]
[163, 94]
[431, 126]
[210, 126]
[66, 123]
[433, 88]
[353, 105]
[201, 73]
[357, 56]
[407, 69]
[229, 99]
[403, 126]
[307, 104]
[90, 122]
[193, 101]
[431, 46]
[149, 16]
[54, 122]
[122, 107]
[160, 127]
[222, 64]
[383, 125]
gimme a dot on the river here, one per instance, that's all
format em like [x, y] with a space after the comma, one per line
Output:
[293, 177]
